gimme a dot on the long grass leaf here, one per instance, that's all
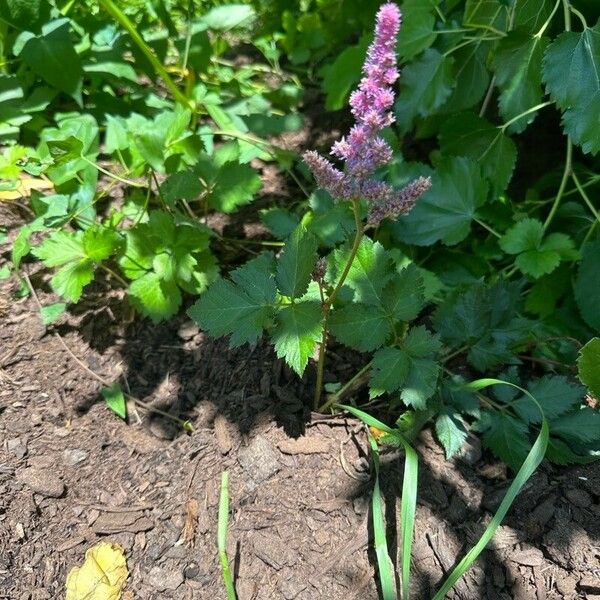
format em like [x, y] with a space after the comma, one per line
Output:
[222, 526]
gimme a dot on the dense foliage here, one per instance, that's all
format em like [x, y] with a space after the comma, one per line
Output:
[125, 125]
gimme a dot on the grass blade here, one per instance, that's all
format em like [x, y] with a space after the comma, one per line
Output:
[530, 464]
[222, 536]
[408, 506]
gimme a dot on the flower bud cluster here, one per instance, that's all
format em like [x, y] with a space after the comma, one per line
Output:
[363, 150]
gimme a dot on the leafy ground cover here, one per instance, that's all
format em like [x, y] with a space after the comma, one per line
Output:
[132, 132]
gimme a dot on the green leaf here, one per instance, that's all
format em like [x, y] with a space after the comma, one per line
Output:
[547, 291]
[51, 312]
[70, 280]
[486, 14]
[154, 297]
[588, 365]
[4, 272]
[518, 67]
[505, 436]
[60, 248]
[587, 290]
[100, 242]
[471, 136]
[64, 151]
[370, 271]
[411, 367]
[52, 56]
[361, 326]
[242, 308]
[556, 395]
[342, 75]
[536, 256]
[297, 331]
[403, 297]
[25, 14]
[234, 185]
[182, 185]
[297, 262]
[445, 212]
[281, 222]
[417, 32]
[530, 15]
[451, 432]
[580, 426]
[570, 71]
[426, 83]
[222, 18]
[113, 395]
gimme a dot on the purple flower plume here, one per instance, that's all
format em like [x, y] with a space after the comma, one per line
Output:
[363, 150]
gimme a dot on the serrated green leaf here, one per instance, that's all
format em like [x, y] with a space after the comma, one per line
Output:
[446, 211]
[588, 365]
[64, 151]
[361, 326]
[505, 436]
[570, 71]
[451, 432]
[70, 280]
[297, 330]
[518, 67]
[234, 185]
[154, 297]
[297, 262]
[536, 256]
[281, 222]
[182, 185]
[411, 368]
[52, 312]
[471, 136]
[556, 395]
[587, 290]
[579, 426]
[530, 15]
[115, 400]
[242, 308]
[52, 56]
[60, 248]
[403, 297]
[100, 242]
[370, 271]
[417, 32]
[426, 83]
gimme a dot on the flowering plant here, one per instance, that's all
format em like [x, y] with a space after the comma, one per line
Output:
[356, 292]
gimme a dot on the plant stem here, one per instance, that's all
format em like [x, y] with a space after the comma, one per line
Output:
[360, 232]
[585, 197]
[490, 229]
[548, 20]
[525, 113]
[115, 275]
[223, 522]
[118, 15]
[563, 184]
[112, 175]
[338, 396]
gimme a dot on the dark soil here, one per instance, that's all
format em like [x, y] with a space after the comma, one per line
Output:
[72, 473]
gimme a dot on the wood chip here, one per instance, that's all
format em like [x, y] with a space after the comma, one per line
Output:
[305, 445]
[222, 434]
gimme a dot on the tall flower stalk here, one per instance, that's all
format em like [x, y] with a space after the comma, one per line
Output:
[362, 152]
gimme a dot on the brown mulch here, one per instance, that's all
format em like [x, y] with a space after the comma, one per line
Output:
[72, 473]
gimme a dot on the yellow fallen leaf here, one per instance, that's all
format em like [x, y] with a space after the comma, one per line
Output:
[377, 433]
[26, 184]
[102, 575]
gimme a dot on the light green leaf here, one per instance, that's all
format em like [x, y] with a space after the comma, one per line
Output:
[51, 312]
[451, 432]
[471, 136]
[60, 248]
[4, 272]
[587, 289]
[588, 365]
[222, 18]
[370, 271]
[426, 83]
[518, 67]
[70, 280]
[361, 326]
[445, 212]
[154, 297]
[234, 185]
[297, 262]
[52, 56]
[571, 71]
[113, 395]
[297, 330]
[100, 242]
[417, 31]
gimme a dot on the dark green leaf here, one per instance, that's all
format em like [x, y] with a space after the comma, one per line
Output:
[485, 14]
[25, 15]
[506, 437]
[417, 31]
[471, 136]
[403, 296]
[281, 222]
[579, 426]
[297, 262]
[182, 185]
[445, 212]
[587, 289]
[361, 326]
[297, 330]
